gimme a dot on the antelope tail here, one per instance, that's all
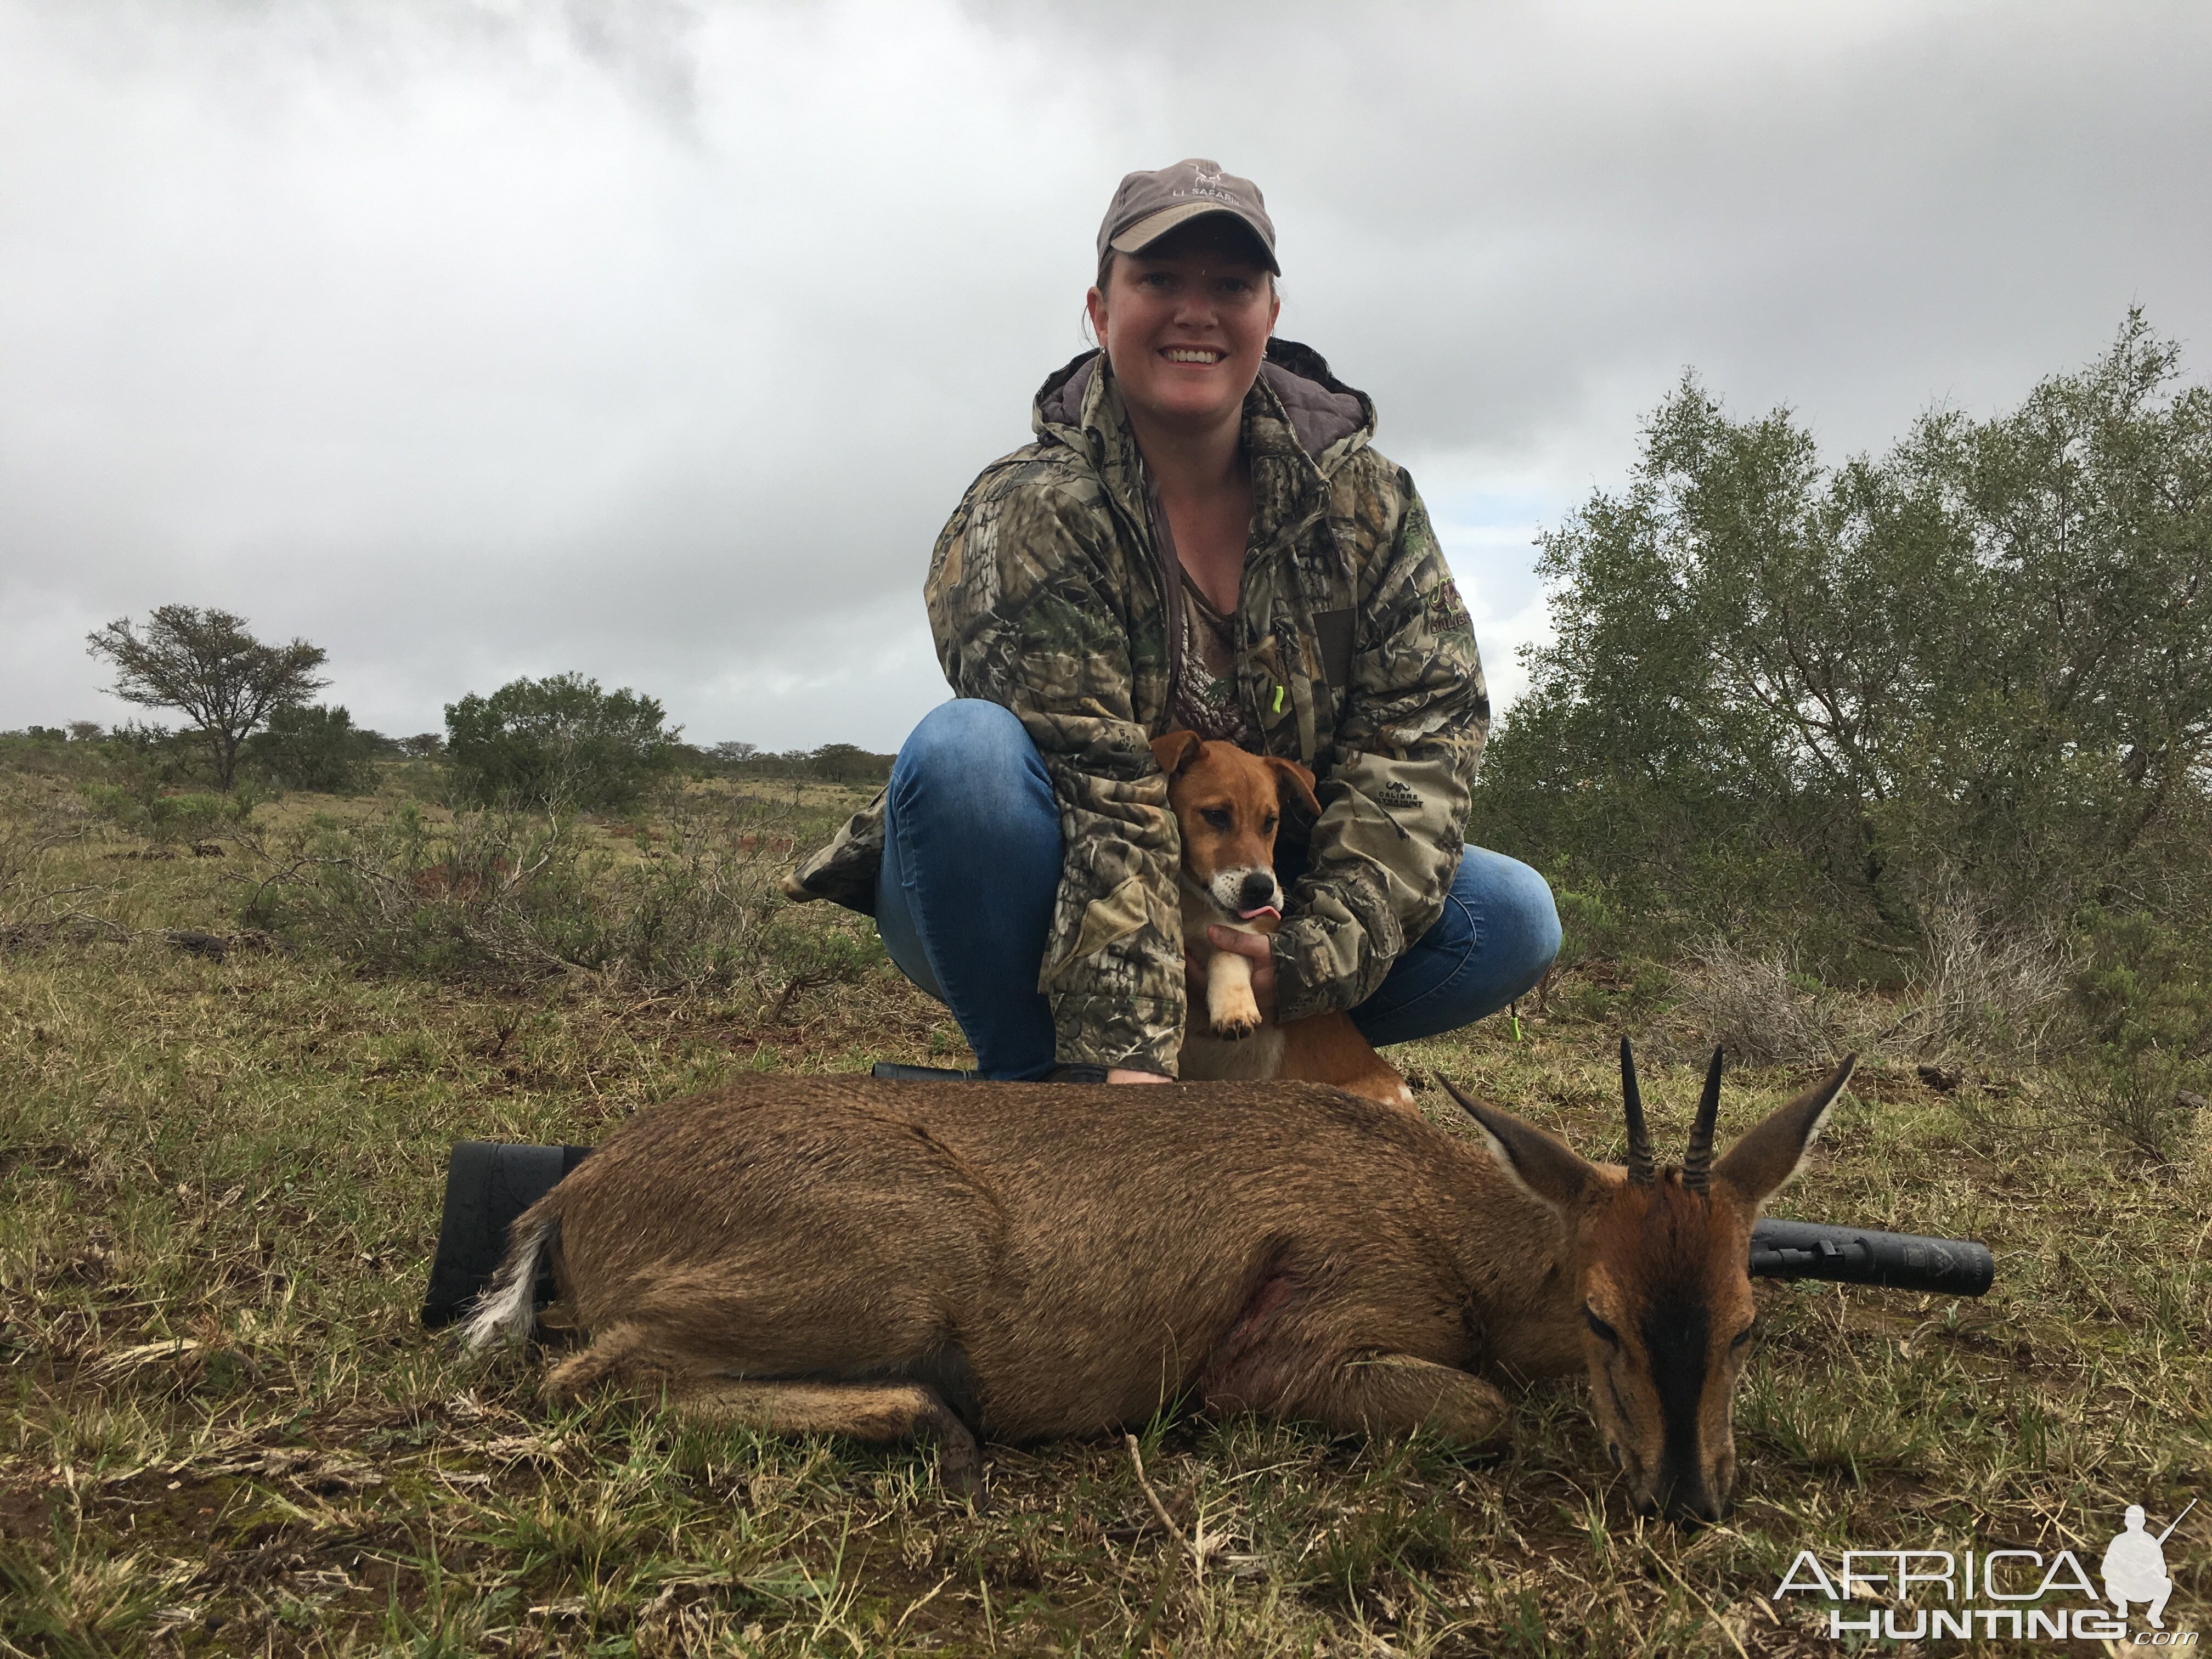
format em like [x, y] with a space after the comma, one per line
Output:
[507, 1309]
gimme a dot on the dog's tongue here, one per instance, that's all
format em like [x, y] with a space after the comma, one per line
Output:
[1264, 910]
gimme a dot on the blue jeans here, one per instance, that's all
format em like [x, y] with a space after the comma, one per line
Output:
[971, 868]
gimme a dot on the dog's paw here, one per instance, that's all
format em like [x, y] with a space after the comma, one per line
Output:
[1235, 1017]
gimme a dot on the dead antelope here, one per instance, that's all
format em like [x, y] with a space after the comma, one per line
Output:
[945, 1260]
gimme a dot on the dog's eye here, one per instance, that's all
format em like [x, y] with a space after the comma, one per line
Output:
[1215, 816]
[1601, 1329]
[1267, 824]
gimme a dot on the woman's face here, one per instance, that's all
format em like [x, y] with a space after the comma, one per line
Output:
[1185, 323]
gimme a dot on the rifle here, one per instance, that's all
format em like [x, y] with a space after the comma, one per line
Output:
[488, 1185]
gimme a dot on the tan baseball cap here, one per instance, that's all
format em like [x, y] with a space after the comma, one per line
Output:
[1149, 205]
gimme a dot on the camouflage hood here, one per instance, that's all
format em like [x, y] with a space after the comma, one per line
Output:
[1053, 592]
[1330, 419]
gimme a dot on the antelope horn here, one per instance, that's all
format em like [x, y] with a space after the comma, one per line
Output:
[1640, 1137]
[1698, 1161]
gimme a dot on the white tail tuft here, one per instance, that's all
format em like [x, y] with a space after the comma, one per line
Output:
[507, 1306]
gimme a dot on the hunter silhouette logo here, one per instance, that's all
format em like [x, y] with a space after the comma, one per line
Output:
[2010, 1593]
[2134, 1566]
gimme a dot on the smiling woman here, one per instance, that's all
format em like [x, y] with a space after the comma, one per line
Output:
[1201, 538]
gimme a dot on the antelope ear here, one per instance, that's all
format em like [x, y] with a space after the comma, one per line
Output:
[1761, 1163]
[1541, 1166]
[1294, 783]
[1174, 749]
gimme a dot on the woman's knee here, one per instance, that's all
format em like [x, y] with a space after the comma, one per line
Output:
[1520, 918]
[976, 751]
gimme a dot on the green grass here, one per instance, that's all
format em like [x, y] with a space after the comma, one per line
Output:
[225, 1432]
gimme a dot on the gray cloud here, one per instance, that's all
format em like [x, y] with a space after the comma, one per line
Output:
[657, 340]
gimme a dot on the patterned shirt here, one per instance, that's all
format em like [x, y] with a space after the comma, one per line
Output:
[1207, 700]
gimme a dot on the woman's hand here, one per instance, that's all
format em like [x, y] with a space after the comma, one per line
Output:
[1261, 951]
[1123, 1074]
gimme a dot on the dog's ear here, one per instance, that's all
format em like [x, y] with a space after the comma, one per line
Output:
[1175, 750]
[1294, 786]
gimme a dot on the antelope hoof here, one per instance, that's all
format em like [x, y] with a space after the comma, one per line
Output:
[960, 1468]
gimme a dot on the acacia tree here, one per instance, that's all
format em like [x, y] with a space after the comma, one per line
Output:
[207, 666]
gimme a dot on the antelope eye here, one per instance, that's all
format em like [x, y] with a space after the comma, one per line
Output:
[1600, 1328]
[1742, 1337]
[1216, 818]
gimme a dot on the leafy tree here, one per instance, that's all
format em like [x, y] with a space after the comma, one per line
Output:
[317, 748]
[1777, 686]
[845, 762]
[558, 742]
[205, 665]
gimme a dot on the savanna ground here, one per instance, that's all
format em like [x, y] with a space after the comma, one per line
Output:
[226, 1433]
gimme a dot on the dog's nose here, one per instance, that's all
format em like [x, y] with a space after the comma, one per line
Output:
[1259, 889]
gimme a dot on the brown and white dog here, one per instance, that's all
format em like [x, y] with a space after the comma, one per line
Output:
[1230, 806]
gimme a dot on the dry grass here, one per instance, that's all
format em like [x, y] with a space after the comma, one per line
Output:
[227, 1434]
[1986, 984]
[1759, 1007]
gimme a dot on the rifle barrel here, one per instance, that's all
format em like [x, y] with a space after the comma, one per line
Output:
[2177, 1521]
[1856, 1255]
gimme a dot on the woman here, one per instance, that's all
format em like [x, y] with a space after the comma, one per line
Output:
[1200, 536]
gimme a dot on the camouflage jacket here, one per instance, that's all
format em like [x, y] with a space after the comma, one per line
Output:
[1051, 594]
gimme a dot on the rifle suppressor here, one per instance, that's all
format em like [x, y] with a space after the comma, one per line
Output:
[1852, 1255]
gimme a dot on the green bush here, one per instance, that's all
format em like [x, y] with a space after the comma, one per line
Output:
[561, 745]
[833, 762]
[503, 898]
[315, 748]
[2141, 991]
[189, 817]
[1795, 698]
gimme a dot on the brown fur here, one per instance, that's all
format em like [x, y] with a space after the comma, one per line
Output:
[945, 1260]
[1229, 805]
[1664, 1270]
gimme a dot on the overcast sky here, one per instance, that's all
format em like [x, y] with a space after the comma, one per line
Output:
[656, 340]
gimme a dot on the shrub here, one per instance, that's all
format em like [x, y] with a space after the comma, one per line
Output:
[1759, 1007]
[190, 817]
[2141, 1005]
[561, 745]
[503, 898]
[833, 762]
[2139, 1098]
[315, 748]
[145, 759]
[1801, 692]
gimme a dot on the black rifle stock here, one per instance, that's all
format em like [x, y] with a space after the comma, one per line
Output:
[1856, 1256]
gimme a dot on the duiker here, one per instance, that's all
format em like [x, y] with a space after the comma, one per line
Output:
[956, 1260]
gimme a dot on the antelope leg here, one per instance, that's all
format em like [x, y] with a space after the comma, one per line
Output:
[878, 1412]
[1394, 1392]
